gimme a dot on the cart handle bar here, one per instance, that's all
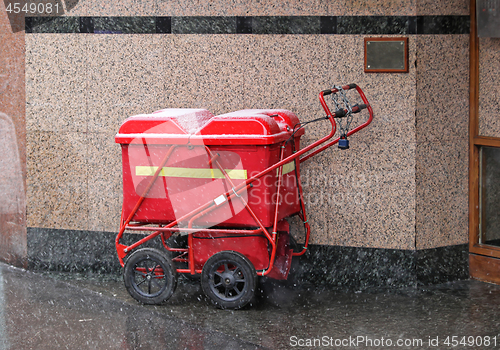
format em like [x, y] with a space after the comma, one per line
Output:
[355, 109]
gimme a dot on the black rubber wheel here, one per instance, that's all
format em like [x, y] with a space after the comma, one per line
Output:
[149, 276]
[229, 279]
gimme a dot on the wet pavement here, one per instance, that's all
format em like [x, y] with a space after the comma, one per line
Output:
[76, 311]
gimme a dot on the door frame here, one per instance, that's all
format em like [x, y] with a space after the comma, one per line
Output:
[484, 260]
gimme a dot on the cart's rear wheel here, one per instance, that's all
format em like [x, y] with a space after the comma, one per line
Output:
[149, 276]
[229, 279]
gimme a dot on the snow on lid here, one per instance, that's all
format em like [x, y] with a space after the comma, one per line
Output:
[283, 117]
[188, 119]
[243, 113]
[240, 123]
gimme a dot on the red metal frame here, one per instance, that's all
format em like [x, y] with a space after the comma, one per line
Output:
[165, 231]
[355, 130]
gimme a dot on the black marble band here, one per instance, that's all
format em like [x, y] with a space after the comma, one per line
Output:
[329, 266]
[367, 268]
[369, 25]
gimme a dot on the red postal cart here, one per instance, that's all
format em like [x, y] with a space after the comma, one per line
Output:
[216, 190]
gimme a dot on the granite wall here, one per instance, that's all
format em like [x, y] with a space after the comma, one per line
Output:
[442, 141]
[398, 196]
[361, 197]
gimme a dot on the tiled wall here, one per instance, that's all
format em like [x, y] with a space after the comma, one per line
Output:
[403, 183]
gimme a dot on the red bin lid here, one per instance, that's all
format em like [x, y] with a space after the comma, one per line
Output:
[199, 126]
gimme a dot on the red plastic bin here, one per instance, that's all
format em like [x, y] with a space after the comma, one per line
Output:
[245, 142]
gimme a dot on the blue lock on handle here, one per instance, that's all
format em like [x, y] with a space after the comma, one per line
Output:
[343, 142]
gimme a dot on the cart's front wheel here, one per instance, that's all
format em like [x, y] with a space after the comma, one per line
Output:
[229, 279]
[149, 276]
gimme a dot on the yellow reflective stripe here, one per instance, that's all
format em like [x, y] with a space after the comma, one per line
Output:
[193, 173]
[287, 168]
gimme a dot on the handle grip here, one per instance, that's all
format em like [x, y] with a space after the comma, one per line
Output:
[345, 87]
[359, 107]
[340, 113]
